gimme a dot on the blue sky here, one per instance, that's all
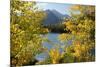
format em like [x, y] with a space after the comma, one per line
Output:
[60, 7]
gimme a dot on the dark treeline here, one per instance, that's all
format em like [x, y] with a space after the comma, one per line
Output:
[56, 28]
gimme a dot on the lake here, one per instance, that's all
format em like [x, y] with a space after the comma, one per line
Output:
[54, 42]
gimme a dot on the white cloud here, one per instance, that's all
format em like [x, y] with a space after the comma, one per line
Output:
[41, 5]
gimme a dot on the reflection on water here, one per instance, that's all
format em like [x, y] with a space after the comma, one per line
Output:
[42, 56]
[53, 37]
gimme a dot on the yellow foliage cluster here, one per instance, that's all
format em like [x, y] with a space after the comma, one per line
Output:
[54, 55]
[25, 31]
[83, 29]
[63, 37]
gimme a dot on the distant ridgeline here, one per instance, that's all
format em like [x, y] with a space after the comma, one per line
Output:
[54, 21]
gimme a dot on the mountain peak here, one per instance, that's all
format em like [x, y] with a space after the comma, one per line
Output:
[53, 17]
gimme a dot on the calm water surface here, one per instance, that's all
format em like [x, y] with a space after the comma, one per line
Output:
[53, 37]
